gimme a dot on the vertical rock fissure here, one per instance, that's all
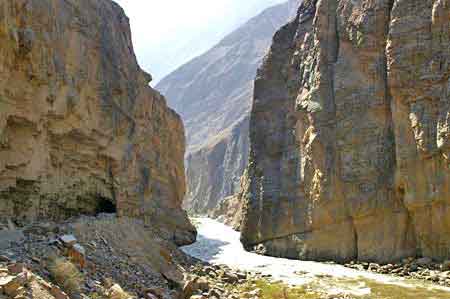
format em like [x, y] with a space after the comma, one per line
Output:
[112, 181]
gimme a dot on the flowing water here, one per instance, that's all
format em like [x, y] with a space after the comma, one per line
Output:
[219, 244]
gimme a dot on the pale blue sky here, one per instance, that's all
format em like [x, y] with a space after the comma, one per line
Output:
[168, 33]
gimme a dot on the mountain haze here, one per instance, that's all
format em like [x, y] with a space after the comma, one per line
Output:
[213, 95]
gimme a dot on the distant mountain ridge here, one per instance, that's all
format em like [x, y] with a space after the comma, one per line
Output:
[213, 93]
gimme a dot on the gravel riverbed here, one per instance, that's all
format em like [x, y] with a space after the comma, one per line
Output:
[219, 244]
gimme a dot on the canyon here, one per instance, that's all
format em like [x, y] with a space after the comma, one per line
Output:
[349, 134]
[333, 162]
[213, 94]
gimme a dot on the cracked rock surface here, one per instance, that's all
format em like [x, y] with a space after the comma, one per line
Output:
[349, 139]
[81, 132]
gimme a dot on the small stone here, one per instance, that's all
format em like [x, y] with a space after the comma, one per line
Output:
[77, 254]
[190, 287]
[16, 268]
[151, 296]
[230, 278]
[407, 260]
[13, 285]
[203, 284]
[4, 259]
[36, 260]
[445, 266]
[45, 285]
[58, 293]
[215, 293]
[68, 240]
[255, 293]
[5, 280]
[155, 292]
[413, 268]
[373, 267]
[241, 275]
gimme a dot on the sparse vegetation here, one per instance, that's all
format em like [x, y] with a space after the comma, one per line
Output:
[277, 290]
[65, 274]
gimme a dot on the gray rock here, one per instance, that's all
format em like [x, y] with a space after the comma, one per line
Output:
[213, 94]
[7, 237]
[68, 240]
[425, 261]
[445, 266]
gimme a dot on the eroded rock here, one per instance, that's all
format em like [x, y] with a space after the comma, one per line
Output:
[81, 132]
[349, 134]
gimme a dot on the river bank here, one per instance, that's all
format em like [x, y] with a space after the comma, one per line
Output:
[219, 244]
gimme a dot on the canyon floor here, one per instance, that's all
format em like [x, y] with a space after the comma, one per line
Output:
[219, 244]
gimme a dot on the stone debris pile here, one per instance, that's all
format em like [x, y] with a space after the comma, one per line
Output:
[421, 268]
[17, 282]
[109, 254]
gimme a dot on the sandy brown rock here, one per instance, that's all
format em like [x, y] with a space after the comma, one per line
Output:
[349, 134]
[81, 131]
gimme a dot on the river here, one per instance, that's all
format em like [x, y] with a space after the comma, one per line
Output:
[219, 244]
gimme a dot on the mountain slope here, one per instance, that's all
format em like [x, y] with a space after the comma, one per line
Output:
[213, 95]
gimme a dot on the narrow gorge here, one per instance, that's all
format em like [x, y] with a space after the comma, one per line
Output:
[316, 133]
[213, 94]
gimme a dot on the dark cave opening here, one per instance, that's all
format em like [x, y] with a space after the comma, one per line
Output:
[106, 206]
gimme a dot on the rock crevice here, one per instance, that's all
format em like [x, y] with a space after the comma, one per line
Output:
[213, 95]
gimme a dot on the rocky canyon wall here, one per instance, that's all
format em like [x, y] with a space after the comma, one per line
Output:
[349, 134]
[213, 95]
[81, 132]
[214, 170]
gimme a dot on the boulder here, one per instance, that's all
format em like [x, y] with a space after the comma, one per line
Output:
[445, 266]
[68, 240]
[77, 254]
[424, 261]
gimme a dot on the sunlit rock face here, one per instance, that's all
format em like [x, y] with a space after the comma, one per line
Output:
[213, 94]
[79, 124]
[349, 134]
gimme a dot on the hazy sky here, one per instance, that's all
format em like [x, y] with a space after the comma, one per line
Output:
[168, 33]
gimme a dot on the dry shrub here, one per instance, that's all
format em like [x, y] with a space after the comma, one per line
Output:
[65, 274]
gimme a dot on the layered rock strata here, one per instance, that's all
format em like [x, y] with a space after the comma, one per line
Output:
[81, 132]
[213, 95]
[349, 134]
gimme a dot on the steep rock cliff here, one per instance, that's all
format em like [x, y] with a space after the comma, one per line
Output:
[81, 132]
[214, 170]
[213, 95]
[349, 134]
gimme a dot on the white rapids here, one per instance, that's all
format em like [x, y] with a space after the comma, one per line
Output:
[220, 244]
